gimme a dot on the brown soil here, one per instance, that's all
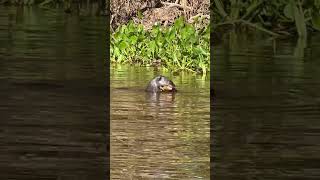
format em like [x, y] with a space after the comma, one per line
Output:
[158, 11]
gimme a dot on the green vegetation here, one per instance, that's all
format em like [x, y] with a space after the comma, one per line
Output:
[276, 17]
[178, 47]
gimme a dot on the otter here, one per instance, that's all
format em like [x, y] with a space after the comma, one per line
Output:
[161, 84]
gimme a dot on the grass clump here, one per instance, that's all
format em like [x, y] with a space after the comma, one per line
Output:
[180, 47]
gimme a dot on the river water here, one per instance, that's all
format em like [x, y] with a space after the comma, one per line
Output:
[52, 108]
[265, 121]
[159, 137]
[267, 110]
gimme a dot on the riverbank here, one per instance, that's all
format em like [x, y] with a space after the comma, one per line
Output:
[180, 47]
[169, 34]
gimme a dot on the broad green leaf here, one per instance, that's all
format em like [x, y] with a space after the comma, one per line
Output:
[133, 39]
[123, 45]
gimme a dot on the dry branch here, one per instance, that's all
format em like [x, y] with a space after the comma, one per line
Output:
[175, 5]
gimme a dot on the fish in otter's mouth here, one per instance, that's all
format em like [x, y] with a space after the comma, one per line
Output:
[167, 88]
[161, 84]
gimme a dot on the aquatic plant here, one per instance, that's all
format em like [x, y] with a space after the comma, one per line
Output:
[179, 47]
[279, 17]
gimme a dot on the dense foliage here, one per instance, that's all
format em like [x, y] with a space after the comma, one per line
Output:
[276, 17]
[178, 47]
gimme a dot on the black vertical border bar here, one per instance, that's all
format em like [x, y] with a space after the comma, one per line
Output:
[212, 94]
[107, 91]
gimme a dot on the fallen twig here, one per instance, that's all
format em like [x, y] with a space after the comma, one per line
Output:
[198, 15]
[175, 5]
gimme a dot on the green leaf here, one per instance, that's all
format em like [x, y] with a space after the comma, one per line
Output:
[140, 16]
[288, 11]
[316, 21]
[317, 4]
[179, 23]
[152, 46]
[300, 22]
[116, 51]
[220, 8]
[133, 39]
[123, 45]
[140, 28]
[130, 27]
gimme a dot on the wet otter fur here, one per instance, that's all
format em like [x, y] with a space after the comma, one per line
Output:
[161, 84]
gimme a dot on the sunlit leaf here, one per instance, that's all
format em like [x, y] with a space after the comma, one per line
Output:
[123, 45]
[133, 39]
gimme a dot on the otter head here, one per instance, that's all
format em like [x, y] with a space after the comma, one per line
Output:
[165, 85]
[161, 84]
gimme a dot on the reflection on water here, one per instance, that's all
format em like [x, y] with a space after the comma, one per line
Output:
[162, 136]
[52, 108]
[266, 115]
